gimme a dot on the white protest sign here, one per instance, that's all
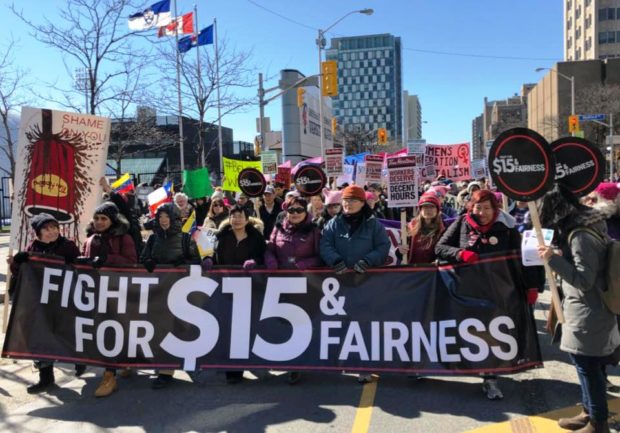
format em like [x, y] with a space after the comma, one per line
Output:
[402, 182]
[334, 162]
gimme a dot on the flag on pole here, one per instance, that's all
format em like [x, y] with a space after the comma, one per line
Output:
[184, 25]
[159, 196]
[205, 37]
[157, 15]
[190, 224]
[123, 184]
[197, 183]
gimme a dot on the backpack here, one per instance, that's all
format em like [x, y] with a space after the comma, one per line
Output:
[611, 295]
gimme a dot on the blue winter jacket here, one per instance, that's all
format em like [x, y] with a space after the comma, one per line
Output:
[369, 242]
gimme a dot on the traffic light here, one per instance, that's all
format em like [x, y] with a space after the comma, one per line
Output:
[334, 126]
[573, 124]
[382, 136]
[329, 70]
[300, 96]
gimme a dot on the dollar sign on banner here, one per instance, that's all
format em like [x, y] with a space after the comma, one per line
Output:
[204, 321]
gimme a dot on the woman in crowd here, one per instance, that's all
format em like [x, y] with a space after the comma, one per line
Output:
[168, 245]
[185, 207]
[606, 199]
[316, 206]
[483, 229]
[108, 243]
[202, 206]
[590, 332]
[354, 239]
[218, 213]
[48, 241]
[372, 201]
[425, 230]
[333, 206]
[294, 244]
[239, 242]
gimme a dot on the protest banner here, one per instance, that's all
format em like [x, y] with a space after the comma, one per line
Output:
[197, 183]
[402, 182]
[449, 160]
[334, 162]
[374, 166]
[269, 159]
[416, 146]
[579, 165]
[479, 168]
[232, 168]
[466, 319]
[522, 167]
[59, 160]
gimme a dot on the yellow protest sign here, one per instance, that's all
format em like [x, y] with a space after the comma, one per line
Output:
[232, 168]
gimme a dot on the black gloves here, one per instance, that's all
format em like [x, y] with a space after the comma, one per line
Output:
[339, 267]
[21, 257]
[150, 264]
[361, 266]
[180, 261]
[98, 262]
[81, 261]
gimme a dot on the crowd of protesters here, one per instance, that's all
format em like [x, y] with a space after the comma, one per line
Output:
[341, 228]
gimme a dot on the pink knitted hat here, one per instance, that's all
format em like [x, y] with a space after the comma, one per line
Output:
[332, 197]
[608, 190]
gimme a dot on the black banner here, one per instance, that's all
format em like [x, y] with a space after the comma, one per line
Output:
[452, 320]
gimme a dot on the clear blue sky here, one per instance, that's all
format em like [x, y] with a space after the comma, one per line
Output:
[451, 86]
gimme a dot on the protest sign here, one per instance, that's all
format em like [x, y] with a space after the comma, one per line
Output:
[374, 166]
[529, 247]
[59, 160]
[269, 160]
[479, 168]
[252, 182]
[232, 168]
[334, 162]
[449, 160]
[360, 174]
[466, 319]
[402, 182]
[310, 180]
[416, 146]
[579, 165]
[348, 170]
[284, 175]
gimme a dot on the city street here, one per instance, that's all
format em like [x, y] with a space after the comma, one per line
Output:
[319, 403]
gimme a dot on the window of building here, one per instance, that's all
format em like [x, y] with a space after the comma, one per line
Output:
[569, 24]
[569, 42]
[602, 14]
[371, 54]
[588, 21]
[569, 5]
[387, 69]
[588, 3]
[362, 56]
[578, 13]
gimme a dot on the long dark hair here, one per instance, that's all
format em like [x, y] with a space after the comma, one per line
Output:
[435, 229]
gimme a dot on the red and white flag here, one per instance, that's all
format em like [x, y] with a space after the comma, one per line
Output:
[184, 25]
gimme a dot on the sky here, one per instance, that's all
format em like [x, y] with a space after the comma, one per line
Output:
[454, 52]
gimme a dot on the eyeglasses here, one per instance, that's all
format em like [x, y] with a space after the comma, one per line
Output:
[217, 205]
[296, 210]
[351, 200]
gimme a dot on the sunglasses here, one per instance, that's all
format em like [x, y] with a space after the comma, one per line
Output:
[217, 205]
[296, 210]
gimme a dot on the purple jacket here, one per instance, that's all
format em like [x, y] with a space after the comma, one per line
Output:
[291, 247]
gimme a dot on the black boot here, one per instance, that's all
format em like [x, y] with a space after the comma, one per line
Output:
[46, 380]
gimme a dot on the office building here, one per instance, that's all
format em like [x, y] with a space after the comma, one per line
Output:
[412, 117]
[591, 29]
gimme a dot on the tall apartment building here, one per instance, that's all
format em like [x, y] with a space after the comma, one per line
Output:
[369, 83]
[591, 29]
[412, 117]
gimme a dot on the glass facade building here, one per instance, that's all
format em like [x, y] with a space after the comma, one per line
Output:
[369, 83]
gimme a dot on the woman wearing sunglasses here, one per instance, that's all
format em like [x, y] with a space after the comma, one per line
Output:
[294, 244]
[218, 213]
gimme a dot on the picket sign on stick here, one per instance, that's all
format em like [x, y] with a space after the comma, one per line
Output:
[7, 285]
[522, 166]
[403, 234]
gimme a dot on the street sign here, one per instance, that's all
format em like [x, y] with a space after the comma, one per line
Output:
[591, 117]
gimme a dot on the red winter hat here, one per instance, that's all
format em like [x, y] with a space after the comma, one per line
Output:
[430, 198]
[608, 190]
[354, 191]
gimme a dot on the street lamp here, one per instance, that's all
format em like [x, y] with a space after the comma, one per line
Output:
[320, 42]
[572, 87]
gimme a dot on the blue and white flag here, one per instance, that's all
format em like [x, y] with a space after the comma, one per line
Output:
[157, 15]
[205, 37]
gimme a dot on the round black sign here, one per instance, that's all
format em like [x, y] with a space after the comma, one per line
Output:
[251, 182]
[521, 164]
[579, 165]
[310, 180]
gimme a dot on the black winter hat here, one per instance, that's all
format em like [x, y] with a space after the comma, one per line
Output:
[108, 209]
[38, 221]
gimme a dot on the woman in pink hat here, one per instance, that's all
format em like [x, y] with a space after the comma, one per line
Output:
[425, 231]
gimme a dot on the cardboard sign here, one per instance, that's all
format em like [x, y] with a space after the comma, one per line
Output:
[283, 176]
[478, 168]
[310, 180]
[232, 168]
[269, 159]
[522, 164]
[334, 162]
[374, 166]
[252, 182]
[579, 165]
[402, 182]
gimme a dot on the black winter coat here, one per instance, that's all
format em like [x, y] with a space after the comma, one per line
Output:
[230, 252]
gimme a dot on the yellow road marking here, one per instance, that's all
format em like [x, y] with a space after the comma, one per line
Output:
[544, 422]
[364, 409]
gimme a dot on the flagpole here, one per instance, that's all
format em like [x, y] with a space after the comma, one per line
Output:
[200, 109]
[219, 109]
[176, 38]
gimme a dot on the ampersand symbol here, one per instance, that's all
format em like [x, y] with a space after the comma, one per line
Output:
[330, 304]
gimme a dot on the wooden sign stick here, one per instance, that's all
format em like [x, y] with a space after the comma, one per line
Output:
[7, 286]
[403, 234]
[555, 295]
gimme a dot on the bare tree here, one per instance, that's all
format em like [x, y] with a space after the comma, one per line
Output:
[12, 87]
[357, 140]
[199, 88]
[93, 35]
